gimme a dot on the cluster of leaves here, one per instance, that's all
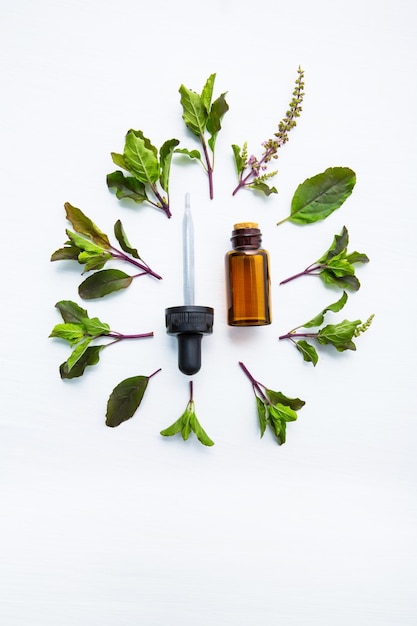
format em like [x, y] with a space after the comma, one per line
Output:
[339, 335]
[125, 399]
[149, 171]
[336, 265]
[81, 331]
[92, 248]
[252, 171]
[317, 197]
[273, 408]
[202, 115]
[188, 422]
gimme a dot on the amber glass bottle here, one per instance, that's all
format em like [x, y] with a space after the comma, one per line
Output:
[248, 279]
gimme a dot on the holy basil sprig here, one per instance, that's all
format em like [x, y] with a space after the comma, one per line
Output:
[317, 197]
[253, 171]
[202, 115]
[188, 423]
[273, 407]
[149, 171]
[336, 266]
[125, 399]
[92, 248]
[81, 331]
[340, 335]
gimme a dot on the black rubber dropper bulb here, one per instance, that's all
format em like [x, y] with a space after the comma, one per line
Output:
[189, 322]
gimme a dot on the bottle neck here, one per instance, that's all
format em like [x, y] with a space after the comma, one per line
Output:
[246, 239]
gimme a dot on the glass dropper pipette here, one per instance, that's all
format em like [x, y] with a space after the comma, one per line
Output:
[189, 322]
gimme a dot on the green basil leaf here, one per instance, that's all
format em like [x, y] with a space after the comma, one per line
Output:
[308, 351]
[339, 244]
[317, 197]
[283, 413]
[174, 428]
[237, 153]
[141, 157]
[78, 352]
[92, 261]
[207, 92]
[276, 397]
[127, 187]
[335, 308]
[83, 225]
[95, 327]
[90, 357]
[261, 410]
[165, 157]
[123, 240]
[343, 282]
[194, 111]
[119, 160]
[217, 112]
[339, 335]
[71, 312]
[72, 333]
[125, 399]
[193, 154]
[186, 425]
[83, 244]
[357, 257]
[263, 187]
[68, 253]
[199, 431]
[103, 283]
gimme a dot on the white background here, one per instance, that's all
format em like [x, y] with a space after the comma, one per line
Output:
[121, 527]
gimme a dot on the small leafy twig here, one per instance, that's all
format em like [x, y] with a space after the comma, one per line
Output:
[150, 172]
[201, 115]
[338, 335]
[273, 408]
[80, 331]
[126, 398]
[336, 266]
[251, 170]
[317, 197]
[91, 247]
[188, 422]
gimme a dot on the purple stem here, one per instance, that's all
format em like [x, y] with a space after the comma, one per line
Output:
[291, 335]
[307, 272]
[255, 384]
[118, 254]
[209, 167]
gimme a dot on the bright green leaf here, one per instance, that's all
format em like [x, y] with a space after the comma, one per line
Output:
[90, 357]
[141, 157]
[199, 431]
[78, 352]
[276, 397]
[72, 333]
[339, 335]
[194, 111]
[193, 154]
[335, 308]
[308, 351]
[261, 410]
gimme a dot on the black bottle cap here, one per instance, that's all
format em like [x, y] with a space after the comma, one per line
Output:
[189, 323]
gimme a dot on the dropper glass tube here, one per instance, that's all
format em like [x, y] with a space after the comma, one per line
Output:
[189, 322]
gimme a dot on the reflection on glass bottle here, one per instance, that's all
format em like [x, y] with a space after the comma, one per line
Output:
[248, 278]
